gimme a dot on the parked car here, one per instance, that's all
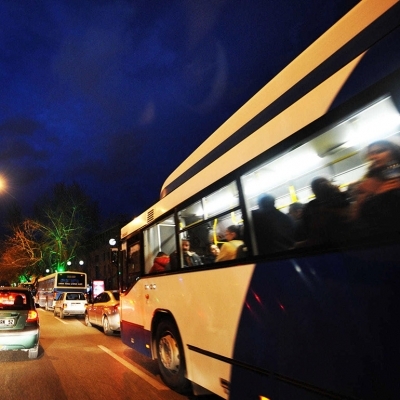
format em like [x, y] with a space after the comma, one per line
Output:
[19, 321]
[104, 311]
[70, 303]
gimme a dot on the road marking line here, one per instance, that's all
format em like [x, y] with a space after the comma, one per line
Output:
[44, 311]
[64, 322]
[153, 382]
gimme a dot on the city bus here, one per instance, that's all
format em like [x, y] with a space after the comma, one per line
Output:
[313, 316]
[50, 286]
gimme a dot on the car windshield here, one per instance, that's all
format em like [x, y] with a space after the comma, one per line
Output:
[14, 300]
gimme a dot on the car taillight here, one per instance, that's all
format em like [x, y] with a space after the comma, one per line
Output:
[65, 305]
[116, 307]
[32, 316]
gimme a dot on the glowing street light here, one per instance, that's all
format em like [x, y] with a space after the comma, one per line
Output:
[2, 184]
[69, 263]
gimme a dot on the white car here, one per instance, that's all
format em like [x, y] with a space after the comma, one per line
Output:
[70, 303]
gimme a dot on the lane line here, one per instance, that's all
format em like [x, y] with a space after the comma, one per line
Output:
[153, 382]
[64, 322]
[44, 311]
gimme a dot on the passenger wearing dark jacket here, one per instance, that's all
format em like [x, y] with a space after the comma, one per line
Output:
[327, 218]
[377, 207]
[274, 230]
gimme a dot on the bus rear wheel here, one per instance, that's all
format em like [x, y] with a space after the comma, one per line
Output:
[170, 357]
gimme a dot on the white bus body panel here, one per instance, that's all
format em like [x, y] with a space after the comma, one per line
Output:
[206, 306]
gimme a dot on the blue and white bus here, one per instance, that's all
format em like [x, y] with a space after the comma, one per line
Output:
[50, 286]
[314, 317]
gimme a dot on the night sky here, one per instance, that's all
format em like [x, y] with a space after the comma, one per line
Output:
[116, 94]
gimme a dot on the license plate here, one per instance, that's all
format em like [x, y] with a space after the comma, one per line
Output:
[6, 322]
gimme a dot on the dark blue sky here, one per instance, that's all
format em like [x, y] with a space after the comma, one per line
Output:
[116, 94]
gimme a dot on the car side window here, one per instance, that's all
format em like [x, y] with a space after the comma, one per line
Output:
[99, 298]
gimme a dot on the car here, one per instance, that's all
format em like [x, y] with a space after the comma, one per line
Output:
[19, 321]
[70, 304]
[104, 311]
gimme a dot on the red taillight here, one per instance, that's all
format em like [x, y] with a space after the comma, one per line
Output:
[32, 316]
[116, 307]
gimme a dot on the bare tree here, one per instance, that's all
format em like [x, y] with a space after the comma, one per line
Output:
[22, 252]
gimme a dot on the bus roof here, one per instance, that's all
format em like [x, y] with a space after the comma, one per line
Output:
[231, 132]
[243, 136]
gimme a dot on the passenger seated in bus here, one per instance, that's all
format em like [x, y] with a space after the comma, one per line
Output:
[190, 258]
[161, 261]
[377, 207]
[296, 213]
[274, 230]
[327, 218]
[212, 253]
[230, 248]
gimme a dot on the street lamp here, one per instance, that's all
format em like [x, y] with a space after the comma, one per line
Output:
[69, 263]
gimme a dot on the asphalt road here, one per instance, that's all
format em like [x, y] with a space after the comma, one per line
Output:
[78, 362]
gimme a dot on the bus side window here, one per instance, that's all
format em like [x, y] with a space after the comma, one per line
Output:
[159, 238]
[199, 237]
[229, 235]
[133, 262]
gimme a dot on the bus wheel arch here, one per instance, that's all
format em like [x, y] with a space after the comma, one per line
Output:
[170, 353]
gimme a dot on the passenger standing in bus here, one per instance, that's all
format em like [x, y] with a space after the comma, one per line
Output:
[327, 218]
[273, 229]
[230, 248]
[377, 208]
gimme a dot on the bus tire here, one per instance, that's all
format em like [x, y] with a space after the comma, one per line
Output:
[171, 358]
